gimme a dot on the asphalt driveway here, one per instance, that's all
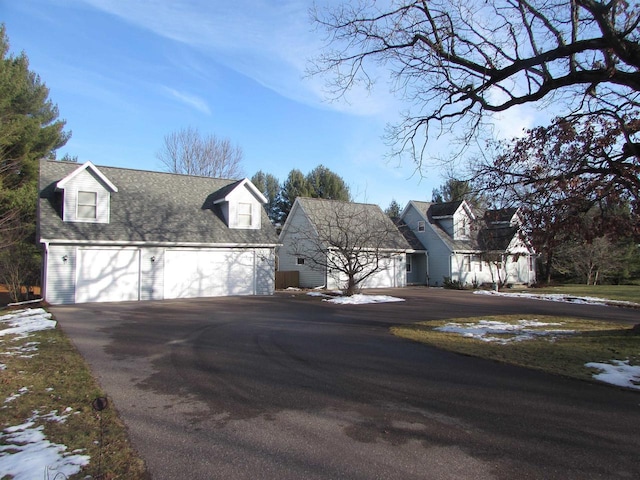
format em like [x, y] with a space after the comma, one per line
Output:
[290, 387]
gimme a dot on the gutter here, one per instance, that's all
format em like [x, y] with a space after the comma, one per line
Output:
[121, 243]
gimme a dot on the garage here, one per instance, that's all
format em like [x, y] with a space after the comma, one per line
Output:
[208, 273]
[108, 275]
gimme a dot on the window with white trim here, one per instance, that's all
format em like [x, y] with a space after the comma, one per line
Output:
[408, 263]
[300, 261]
[244, 215]
[421, 226]
[466, 263]
[87, 205]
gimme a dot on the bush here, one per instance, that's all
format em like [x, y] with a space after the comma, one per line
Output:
[453, 284]
[20, 267]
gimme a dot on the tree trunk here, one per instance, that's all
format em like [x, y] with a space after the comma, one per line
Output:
[351, 286]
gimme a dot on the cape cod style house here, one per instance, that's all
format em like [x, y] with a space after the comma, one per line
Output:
[114, 234]
[320, 237]
[452, 241]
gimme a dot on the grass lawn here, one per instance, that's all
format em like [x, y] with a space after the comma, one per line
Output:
[548, 347]
[627, 293]
[44, 373]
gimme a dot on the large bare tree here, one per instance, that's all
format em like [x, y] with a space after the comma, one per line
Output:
[188, 152]
[458, 62]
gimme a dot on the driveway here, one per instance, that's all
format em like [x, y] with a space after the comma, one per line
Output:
[290, 387]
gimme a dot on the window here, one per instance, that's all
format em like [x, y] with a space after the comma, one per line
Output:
[531, 264]
[408, 263]
[477, 259]
[244, 214]
[300, 261]
[463, 228]
[466, 263]
[421, 226]
[87, 205]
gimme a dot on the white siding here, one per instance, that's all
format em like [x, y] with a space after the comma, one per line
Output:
[238, 196]
[87, 182]
[293, 244]
[59, 283]
[265, 271]
[152, 274]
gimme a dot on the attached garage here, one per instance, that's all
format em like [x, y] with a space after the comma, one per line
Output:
[112, 234]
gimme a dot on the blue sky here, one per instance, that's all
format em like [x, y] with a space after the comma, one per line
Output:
[126, 73]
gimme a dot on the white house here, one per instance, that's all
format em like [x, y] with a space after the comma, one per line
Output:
[325, 239]
[114, 234]
[453, 242]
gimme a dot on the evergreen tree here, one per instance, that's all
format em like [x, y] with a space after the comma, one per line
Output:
[29, 130]
[393, 210]
[270, 188]
[294, 186]
[326, 184]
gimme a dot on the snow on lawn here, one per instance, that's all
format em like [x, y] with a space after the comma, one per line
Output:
[557, 297]
[617, 372]
[486, 329]
[25, 453]
[24, 322]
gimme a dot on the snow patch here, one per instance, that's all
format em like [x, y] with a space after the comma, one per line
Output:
[521, 331]
[360, 299]
[24, 322]
[617, 372]
[25, 453]
[558, 297]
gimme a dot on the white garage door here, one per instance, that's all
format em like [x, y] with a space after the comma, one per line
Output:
[208, 273]
[107, 275]
[384, 278]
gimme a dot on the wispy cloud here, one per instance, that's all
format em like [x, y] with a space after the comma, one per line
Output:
[269, 42]
[188, 99]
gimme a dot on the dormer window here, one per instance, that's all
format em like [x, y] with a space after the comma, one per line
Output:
[463, 228]
[86, 195]
[87, 205]
[244, 215]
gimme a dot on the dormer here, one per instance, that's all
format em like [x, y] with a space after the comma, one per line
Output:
[455, 218]
[86, 195]
[241, 205]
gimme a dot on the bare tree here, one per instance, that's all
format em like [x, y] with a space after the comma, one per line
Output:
[589, 260]
[458, 62]
[351, 241]
[186, 151]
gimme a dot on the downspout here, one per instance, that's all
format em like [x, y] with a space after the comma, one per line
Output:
[426, 260]
[43, 274]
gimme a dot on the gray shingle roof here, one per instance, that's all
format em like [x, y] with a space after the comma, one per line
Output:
[492, 234]
[363, 221]
[151, 207]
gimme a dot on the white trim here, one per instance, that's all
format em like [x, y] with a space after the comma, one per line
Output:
[85, 166]
[244, 182]
[121, 243]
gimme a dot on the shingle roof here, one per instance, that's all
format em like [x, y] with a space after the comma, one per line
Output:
[363, 221]
[411, 238]
[444, 209]
[489, 237]
[149, 207]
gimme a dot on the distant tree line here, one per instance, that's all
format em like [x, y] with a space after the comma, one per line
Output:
[318, 183]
